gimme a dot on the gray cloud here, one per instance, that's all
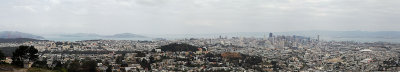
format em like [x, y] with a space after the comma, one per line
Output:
[197, 16]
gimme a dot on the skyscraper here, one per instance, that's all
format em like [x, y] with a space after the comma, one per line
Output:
[270, 34]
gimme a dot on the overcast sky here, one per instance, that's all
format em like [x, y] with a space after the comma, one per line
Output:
[197, 16]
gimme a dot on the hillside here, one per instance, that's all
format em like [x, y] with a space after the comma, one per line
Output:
[17, 40]
[8, 50]
[125, 35]
[10, 68]
[178, 47]
[16, 34]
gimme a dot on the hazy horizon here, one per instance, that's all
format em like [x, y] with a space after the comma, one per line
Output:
[357, 36]
[266, 32]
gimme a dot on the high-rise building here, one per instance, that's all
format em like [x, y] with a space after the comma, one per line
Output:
[270, 34]
[265, 37]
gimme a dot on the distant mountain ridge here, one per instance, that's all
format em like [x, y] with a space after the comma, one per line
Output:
[16, 34]
[17, 40]
[125, 35]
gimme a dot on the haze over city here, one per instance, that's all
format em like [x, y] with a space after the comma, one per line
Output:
[196, 16]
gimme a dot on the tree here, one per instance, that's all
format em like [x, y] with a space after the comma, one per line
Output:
[74, 66]
[109, 68]
[24, 53]
[153, 50]
[145, 64]
[152, 60]
[189, 64]
[57, 64]
[2, 57]
[175, 47]
[89, 66]
[124, 65]
[253, 60]
[140, 54]
[119, 59]
[40, 64]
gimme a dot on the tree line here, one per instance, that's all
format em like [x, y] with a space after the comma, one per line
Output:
[174, 47]
[25, 54]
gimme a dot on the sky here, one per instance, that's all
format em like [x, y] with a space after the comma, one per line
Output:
[197, 16]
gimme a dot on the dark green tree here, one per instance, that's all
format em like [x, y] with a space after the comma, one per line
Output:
[188, 63]
[175, 47]
[109, 68]
[253, 60]
[140, 54]
[2, 56]
[119, 59]
[153, 50]
[89, 66]
[74, 66]
[40, 64]
[24, 53]
[145, 64]
[124, 65]
[58, 64]
[152, 59]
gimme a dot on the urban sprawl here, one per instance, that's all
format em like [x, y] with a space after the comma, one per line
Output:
[272, 53]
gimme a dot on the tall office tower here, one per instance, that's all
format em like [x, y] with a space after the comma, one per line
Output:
[294, 37]
[318, 38]
[265, 37]
[270, 34]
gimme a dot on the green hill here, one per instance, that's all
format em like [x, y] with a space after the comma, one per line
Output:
[178, 47]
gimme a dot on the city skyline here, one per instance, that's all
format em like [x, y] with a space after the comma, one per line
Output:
[199, 35]
[196, 16]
